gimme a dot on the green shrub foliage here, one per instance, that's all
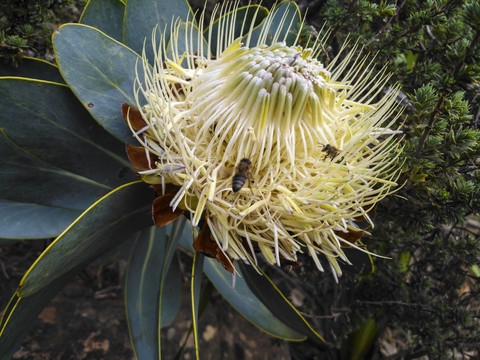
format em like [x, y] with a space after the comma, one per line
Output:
[26, 26]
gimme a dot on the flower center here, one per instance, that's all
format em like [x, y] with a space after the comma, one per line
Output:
[270, 86]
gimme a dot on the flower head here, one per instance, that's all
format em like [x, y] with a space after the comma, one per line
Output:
[307, 145]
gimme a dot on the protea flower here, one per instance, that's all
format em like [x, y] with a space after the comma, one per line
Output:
[311, 144]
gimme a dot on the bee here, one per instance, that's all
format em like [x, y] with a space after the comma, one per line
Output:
[243, 172]
[331, 151]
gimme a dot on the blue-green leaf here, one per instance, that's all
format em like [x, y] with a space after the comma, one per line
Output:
[32, 221]
[101, 73]
[106, 16]
[196, 286]
[275, 301]
[184, 33]
[283, 21]
[101, 227]
[142, 287]
[246, 303]
[142, 16]
[170, 290]
[46, 121]
[151, 295]
[171, 293]
[242, 20]
[32, 68]
[26, 179]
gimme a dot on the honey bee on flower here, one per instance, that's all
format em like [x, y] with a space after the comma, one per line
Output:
[242, 174]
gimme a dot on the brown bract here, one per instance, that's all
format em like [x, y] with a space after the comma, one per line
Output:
[204, 244]
[138, 157]
[351, 236]
[133, 117]
[162, 212]
[289, 263]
